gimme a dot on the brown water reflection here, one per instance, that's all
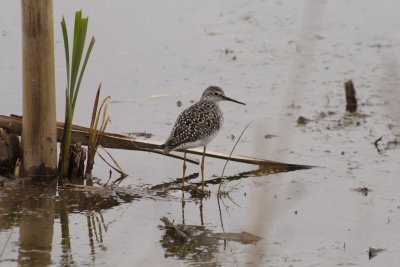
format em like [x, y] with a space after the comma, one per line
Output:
[37, 213]
[305, 217]
[33, 206]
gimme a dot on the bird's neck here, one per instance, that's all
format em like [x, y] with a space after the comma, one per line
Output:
[210, 101]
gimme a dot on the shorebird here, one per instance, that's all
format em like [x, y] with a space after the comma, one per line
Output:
[197, 125]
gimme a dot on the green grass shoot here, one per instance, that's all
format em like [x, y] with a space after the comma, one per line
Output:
[74, 78]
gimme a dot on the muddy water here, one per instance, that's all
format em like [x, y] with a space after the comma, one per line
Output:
[285, 59]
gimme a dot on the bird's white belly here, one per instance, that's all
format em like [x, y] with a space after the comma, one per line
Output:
[198, 143]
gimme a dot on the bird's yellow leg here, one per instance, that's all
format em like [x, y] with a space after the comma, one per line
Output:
[184, 170]
[202, 169]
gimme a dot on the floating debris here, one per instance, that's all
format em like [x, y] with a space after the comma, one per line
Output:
[386, 142]
[144, 134]
[162, 95]
[373, 252]
[293, 105]
[196, 192]
[363, 190]
[228, 51]
[376, 144]
[302, 120]
[324, 114]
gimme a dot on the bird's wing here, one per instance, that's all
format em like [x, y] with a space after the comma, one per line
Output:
[192, 124]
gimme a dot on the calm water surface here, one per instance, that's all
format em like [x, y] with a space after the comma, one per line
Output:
[285, 59]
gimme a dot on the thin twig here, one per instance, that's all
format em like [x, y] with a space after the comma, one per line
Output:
[229, 157]
[117, 167]
[222, 177]
[113, 167]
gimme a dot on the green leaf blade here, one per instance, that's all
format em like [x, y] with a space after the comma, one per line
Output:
[85, 61]
[77, 50]
[66, 48]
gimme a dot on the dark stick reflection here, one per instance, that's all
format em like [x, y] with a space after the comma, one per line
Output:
[32, 206]
[201, 212]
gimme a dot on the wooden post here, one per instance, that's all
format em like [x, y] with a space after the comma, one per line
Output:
[39, 134]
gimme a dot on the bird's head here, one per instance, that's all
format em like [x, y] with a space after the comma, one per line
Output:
[216, 94]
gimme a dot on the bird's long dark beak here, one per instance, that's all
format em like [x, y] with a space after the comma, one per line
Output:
[233, 100]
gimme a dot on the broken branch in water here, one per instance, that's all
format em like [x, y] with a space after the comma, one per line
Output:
[118, 141]
[80, 134]
[200, 234]
[175, 228]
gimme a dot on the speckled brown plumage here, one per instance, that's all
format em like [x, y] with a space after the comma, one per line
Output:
[197, 125]
[201, 121]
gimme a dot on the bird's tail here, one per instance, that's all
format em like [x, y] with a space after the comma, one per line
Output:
[166, 148]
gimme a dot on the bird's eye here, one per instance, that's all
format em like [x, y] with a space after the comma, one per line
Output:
[216, 94]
